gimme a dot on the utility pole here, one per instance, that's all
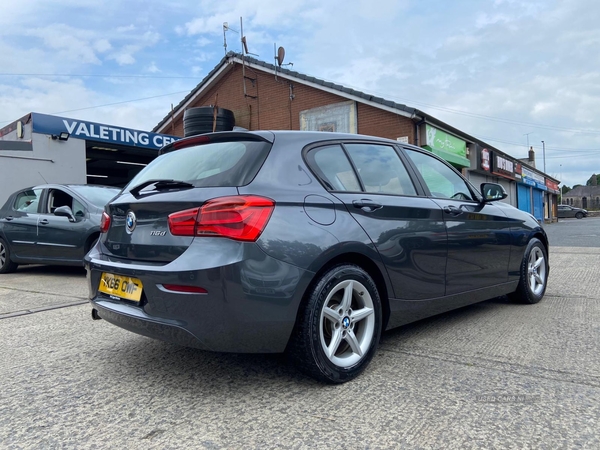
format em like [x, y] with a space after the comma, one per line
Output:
[544, 154]
[561, 187]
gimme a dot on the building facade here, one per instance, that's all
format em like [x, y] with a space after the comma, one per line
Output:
[264, 96]
[586, 197]
[40, 148]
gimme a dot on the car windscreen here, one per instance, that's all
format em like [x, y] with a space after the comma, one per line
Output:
[96, 195]
[216, 164]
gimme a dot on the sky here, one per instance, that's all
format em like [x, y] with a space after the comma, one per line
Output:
[510, 72]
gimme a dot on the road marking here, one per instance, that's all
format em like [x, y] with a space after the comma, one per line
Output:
[37, 310]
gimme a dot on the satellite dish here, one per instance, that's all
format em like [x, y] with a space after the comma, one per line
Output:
[280, 55]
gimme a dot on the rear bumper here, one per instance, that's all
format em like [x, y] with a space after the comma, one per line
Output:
[250, 307]
[133, 319]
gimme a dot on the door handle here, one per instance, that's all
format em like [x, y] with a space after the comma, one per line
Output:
[9, 218]
[367, 205]
[452, 210]
[44, 222]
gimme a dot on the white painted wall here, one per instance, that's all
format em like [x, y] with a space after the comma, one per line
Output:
[51, 161]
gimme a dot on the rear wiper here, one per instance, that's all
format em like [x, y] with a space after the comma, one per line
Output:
[160, 185]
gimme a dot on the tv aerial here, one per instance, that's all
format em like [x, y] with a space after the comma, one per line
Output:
[227, 28]
[280, 56]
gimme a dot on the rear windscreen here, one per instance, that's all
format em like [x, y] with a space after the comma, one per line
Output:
[215, 164]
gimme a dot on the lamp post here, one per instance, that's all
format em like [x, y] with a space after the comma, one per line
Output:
[544, 154]
[560, 187]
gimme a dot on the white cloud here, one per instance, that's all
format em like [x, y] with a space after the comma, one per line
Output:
[102, 45]
[152, 68]
[531, 62]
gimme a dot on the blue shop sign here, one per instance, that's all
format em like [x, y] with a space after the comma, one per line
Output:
[80, 129]
[528, 181]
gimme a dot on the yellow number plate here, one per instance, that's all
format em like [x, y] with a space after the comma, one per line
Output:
[121, 286]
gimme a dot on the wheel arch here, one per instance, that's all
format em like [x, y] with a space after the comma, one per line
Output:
[544, 239]
[90, 241]
[369, 266]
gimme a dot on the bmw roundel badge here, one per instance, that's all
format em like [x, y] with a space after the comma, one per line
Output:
[130, 222]
[346, 323]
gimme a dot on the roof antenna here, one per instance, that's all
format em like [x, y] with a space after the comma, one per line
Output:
[244, 42]
[42, 177]
[279, 57]
[225, 29]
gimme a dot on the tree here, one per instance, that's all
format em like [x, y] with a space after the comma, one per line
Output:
[593, 181]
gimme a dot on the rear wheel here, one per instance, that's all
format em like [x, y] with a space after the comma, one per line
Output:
[534, 274]
[6, 265]
[339, 327]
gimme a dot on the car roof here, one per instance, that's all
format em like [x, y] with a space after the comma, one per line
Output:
[288, 136]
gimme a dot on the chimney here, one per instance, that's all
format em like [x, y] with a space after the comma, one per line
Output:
[531, 159]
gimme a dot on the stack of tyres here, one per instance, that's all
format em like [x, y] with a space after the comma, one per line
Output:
[202, 119]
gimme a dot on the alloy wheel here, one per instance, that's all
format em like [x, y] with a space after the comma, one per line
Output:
[347, 323]
[536, 271]
[2, 255]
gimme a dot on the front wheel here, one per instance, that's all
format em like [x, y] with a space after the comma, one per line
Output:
[579, 215]
[6, 265]
[339, 327]
[534, 274]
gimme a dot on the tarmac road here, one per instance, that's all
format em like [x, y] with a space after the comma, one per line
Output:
[492, 375]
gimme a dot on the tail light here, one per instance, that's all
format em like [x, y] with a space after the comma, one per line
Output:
[242, 218]
[104, 222]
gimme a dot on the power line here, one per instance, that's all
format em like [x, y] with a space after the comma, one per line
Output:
[508, 121]
[520, 144]
[110, 104]
[6, 74]
[409, 101]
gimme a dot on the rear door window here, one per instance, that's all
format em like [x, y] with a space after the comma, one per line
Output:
[380, 169]
[28, 201]
[333, 167]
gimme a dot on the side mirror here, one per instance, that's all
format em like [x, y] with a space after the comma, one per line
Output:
[65, 211]
[492, 192]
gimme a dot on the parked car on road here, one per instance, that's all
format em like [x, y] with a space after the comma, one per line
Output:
[565, 211]
[51, 224]
[305, 242]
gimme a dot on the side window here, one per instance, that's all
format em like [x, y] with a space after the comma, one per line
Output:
[28, 201]
[57, 198]
[380, 169]
[442, 181]
[333, 167]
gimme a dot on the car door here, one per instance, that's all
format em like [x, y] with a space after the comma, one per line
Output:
[61, 238]
[479, 234]
[19, 222]
[407, 229]
[565, 212]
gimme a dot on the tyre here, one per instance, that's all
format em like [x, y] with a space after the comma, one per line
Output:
[579, 215]
[339, 325]
[534, 274]
[6, 265]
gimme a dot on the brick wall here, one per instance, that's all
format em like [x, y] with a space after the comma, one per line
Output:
[272, 109]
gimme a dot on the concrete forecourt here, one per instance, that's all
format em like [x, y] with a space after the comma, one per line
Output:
[491, 375]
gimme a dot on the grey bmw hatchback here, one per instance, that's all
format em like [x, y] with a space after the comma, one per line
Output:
[307, 243]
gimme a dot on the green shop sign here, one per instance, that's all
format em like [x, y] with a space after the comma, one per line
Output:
[446, 146]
